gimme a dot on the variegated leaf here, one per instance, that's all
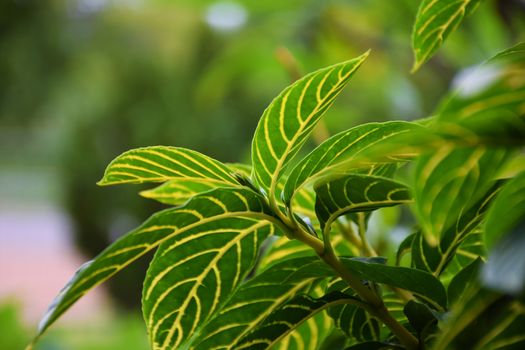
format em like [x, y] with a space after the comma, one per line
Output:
[291, 117]
[251, 304]
[435, 259]
[356, 193]
[435, 20]
[348, 150]
[194, 273]
[197, 214]
[288, 317]
[163, 163]
[448, 182]
[178, 191]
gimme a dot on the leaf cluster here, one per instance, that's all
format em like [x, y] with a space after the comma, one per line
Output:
[276, 254]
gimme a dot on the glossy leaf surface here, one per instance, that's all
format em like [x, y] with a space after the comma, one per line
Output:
[291, 117]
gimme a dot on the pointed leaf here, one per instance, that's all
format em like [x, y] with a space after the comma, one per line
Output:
[462, 231]
[194, 273]
[340, 150]
[162, 163]
[357, 193]
[448, 182]
[288, 317]
[422, 283]
[251, 304]
[291, 117]
[435, 20]
[220, 204]
[428, 287]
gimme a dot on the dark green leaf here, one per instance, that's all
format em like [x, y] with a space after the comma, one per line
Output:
[420, 282]
[420, 317]
[463, 280]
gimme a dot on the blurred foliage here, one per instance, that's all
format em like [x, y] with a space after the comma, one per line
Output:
[84, 80]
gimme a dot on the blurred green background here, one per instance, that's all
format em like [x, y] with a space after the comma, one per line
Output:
[84, 80]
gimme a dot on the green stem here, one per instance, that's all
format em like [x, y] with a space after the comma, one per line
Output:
[367, 248]
[374, 304]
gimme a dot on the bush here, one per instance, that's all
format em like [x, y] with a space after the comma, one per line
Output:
[277, 254]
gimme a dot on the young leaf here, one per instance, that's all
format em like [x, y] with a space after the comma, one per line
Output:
[251, 304]
[291, 117]
[193, 274]
[448, 182]
[356, 193]
[220, 204]
[340, 150]
[435, 20]
[163, 163]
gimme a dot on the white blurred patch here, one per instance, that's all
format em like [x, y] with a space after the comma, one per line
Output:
[226, 16]
[471, 81]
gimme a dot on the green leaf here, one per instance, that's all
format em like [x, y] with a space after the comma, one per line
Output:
[435, 20]
[488, 105]
[194, 273]
[484, 320]
[374, 345]
[425, 285]
[312, 333]
[356, 193]
[162, 163]
[351, 319]
[176, 192]
[291, 117]
[251, 304]
[448, 182]
[463, 280]
[288, 317]
[462, 233]
[506, 211]
[347, 150]
[420, 317]
[216, 206]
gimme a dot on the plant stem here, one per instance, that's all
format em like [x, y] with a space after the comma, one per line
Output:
[367, 248]
[374, 304]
